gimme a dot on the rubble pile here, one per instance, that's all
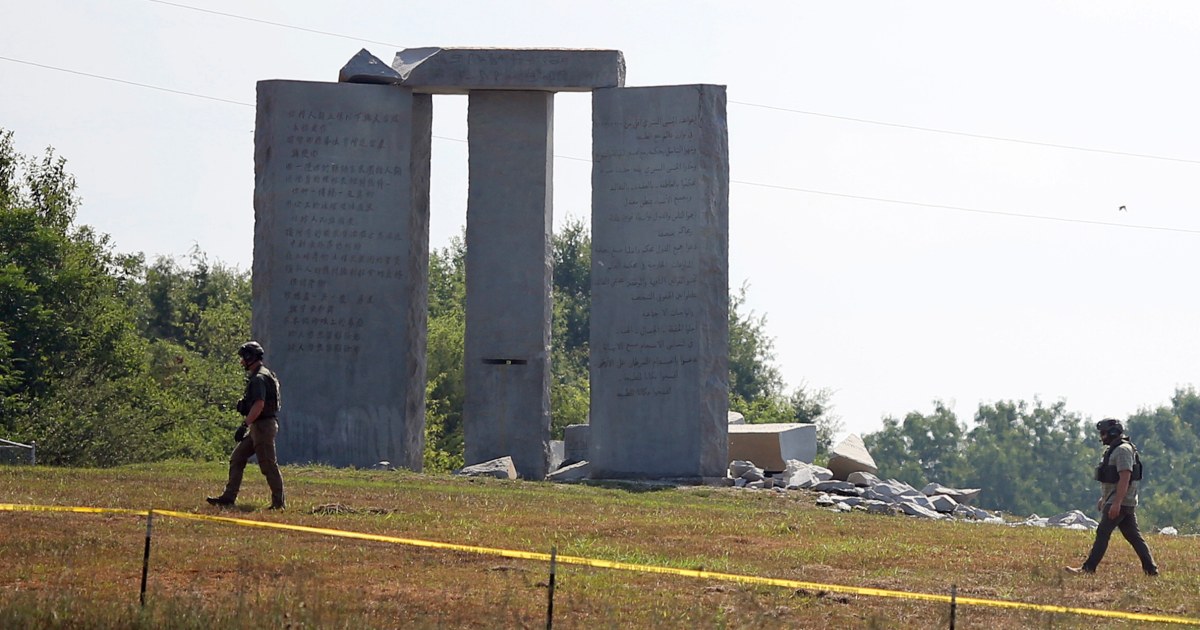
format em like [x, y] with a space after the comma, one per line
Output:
[852, 485]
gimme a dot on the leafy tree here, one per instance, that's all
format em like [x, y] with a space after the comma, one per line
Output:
[102, 360]
[445, 393]
[921, 448]
[570, 387]
[1168, 440]
[1031, 459]
[60, 311]
[756, 387]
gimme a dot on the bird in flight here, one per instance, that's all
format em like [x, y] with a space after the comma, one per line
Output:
[1122, 209]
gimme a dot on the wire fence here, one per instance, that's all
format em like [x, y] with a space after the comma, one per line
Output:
[953, 599]
[15, 453]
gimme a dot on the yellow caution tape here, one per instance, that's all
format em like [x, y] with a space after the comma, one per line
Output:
[16, 507]
[622, 566]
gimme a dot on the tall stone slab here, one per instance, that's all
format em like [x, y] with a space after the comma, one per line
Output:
[660, 282]
[341, 254]
[509, 226]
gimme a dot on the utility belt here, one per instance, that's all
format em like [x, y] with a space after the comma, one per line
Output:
[270, 410]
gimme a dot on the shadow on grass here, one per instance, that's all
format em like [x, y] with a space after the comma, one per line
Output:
[632, 485]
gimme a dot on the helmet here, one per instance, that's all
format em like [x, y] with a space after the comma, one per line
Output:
[251, 351]
[1110, 427]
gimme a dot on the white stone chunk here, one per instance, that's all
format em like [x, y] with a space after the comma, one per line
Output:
[851, 456]
[571, 472]
[771, 445]
[738, 467]
[500, 468]
[860, 478]
[558, 450]
[962, 496]
[943, 503]
[1071, 519]
[916, 510]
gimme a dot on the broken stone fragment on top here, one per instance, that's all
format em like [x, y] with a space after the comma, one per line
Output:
[367, 68]
[434, 70]
[850, 456]
[500, 468]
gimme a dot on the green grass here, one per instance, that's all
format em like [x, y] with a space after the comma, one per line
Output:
[63, 570]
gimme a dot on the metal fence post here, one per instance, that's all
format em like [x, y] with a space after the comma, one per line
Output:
[550, 591]
[953, 604]
[146, 555]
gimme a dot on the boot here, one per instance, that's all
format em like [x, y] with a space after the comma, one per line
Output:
[221, 501]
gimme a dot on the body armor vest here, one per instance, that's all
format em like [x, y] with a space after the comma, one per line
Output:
[1107, 473]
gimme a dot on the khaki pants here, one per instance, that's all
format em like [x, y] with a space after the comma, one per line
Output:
[260, 443]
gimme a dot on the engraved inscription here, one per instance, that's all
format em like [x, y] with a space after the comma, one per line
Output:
[650, 174]
[340, 249]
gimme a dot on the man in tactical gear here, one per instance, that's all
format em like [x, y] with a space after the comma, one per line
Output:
[260, 406]
[1118, 473]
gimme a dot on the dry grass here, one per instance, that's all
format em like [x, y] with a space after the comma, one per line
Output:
[82, 571]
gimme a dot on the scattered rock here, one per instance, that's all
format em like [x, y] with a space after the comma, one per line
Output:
[500, 468]
[1072, 520]
[944, 504]
[573, 472]
[839, 487]
[961, 496]
[861, 478]
[798, 474]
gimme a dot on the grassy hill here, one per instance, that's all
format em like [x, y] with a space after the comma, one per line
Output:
[65, 570]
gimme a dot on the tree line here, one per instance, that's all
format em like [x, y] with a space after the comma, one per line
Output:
[109, 358]
[1038, 458]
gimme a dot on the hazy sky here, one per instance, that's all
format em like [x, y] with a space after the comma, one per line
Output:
[896, 263]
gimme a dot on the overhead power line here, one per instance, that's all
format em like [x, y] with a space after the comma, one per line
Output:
[964, 209]
[866, 121]
[141, 85]
[732, 181]
[971, 135]
[270, 23]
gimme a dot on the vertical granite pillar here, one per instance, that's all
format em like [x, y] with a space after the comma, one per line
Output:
[341, 254]
[660, 282]
[509, 227]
